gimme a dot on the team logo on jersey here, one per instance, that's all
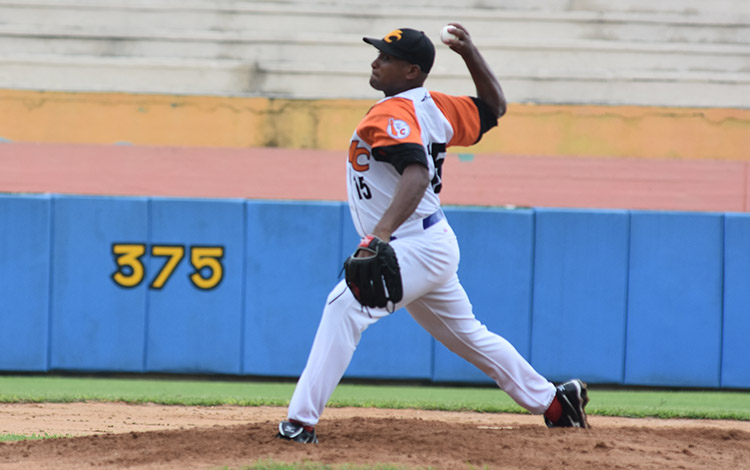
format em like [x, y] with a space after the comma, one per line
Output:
[394, 35]
[398, 129]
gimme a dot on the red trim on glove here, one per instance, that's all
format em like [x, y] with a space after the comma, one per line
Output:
[365, 243]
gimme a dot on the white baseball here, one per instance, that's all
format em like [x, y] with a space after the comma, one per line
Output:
[446, 35]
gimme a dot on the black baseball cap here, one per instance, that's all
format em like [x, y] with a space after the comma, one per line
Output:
[407, 44]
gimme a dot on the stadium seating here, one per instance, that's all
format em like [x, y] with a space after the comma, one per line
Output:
[671, 53]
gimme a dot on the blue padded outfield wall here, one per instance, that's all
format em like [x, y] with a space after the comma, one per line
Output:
[206, 286]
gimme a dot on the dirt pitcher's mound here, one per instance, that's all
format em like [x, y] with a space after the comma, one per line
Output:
[157, 437]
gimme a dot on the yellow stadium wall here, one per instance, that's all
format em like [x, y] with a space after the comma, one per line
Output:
[239, 122]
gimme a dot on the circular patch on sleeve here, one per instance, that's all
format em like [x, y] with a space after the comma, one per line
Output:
[398, 129]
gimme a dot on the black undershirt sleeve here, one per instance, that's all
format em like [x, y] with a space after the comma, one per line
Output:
[401, 155]
[487, 118]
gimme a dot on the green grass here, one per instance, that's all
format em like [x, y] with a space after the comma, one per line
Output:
[671, 404]
[53, 389]
[271, 465]
[31, 437]
[178, 391]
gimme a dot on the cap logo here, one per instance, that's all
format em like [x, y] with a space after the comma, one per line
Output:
[398, 129]
[394, 35]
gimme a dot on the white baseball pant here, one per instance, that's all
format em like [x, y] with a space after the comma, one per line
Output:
[435, 298]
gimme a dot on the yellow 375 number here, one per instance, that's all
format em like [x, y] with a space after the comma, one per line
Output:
[206, 260]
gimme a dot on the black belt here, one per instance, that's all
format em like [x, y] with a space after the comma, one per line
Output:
[432, 219]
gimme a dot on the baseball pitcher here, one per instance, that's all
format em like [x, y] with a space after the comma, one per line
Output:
[409, 255]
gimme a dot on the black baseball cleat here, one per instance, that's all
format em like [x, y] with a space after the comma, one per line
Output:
[297, 433]
[573, 397]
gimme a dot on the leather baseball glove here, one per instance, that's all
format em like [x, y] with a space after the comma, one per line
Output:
[375, 280]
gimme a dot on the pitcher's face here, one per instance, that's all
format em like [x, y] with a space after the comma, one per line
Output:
[389, 74]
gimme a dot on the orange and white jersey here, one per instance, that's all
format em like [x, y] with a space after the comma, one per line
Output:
[416, 126]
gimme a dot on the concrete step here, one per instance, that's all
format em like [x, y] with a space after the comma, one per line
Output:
[333, 50]
[690, 8]
[313, 81]
[679, 53]
[264, 17]
[136, 75]
[571, 86]
[696, 8]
